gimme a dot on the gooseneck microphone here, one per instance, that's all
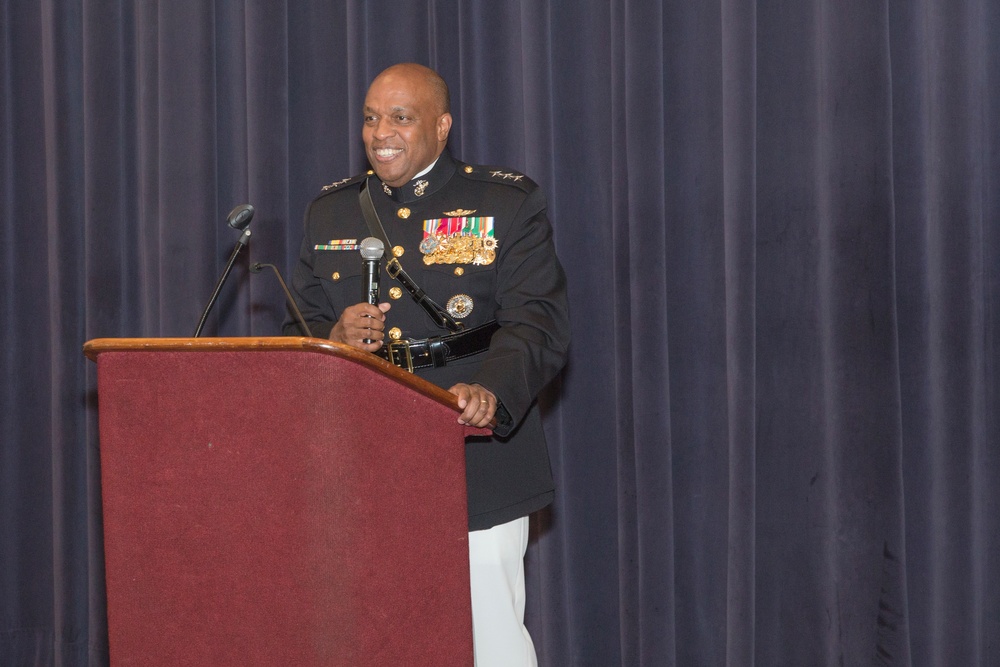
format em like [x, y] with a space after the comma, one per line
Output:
[372, 250]
[257, 267]
[239, 219]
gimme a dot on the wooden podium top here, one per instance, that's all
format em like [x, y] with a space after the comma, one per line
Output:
[93, 348]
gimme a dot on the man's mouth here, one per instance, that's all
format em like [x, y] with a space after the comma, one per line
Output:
[387, 153]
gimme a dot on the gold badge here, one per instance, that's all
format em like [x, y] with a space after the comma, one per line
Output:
[458, 213]
[459, 271]
[395, 293]
[403, 213]
[459, 306]
[420, 187]
[386, 189]
[397, 251]
[468, 169]
[395, 333]
[336, 275]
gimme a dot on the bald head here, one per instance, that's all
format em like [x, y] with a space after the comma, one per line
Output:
[406, 121]
[417, 73]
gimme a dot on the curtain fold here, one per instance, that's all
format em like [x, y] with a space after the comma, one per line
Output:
[776, 439]
[947, 219]
[738, 22]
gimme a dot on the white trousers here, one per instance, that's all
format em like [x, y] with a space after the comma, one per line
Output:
[496, 561]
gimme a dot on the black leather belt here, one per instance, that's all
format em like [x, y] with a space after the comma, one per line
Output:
[438, 351]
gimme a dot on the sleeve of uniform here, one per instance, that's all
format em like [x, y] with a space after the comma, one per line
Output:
[532, 344]
[308, 291]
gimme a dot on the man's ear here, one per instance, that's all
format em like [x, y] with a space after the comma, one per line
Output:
[443, 127]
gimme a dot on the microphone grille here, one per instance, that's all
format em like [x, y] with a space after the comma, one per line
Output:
[372, 248]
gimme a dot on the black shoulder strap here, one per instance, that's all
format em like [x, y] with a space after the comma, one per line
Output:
[395, 269]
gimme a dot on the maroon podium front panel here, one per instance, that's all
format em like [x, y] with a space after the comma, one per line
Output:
[280, 508]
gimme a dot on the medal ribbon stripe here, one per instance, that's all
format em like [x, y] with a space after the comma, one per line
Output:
[338, 245]
[481, 227]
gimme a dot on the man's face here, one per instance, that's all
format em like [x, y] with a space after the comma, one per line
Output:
[405, 126]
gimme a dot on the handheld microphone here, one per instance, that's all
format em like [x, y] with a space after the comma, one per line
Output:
[239, 219]
[257, 267]
[371, 256]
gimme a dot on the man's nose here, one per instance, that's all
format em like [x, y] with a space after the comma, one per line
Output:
[383, 129]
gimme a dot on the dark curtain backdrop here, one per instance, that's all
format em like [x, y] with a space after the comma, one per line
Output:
[776, 442]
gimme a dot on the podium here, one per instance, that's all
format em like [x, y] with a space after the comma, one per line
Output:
[279, 501]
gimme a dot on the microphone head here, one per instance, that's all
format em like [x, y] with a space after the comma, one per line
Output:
[239, 218]
[372, 248]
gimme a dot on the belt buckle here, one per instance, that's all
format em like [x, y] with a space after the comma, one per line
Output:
[393, 267]
[405, 346]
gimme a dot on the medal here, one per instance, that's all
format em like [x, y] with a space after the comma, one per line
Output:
[459, 306]
[459, 240]
[428, 245]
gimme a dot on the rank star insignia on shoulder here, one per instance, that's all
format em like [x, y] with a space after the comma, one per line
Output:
[507, 175]
[336, 185]
[499, 175]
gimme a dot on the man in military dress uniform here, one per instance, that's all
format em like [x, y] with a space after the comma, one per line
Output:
[477, 241]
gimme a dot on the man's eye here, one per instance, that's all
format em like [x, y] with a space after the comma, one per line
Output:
[402, 119]
[370, 119]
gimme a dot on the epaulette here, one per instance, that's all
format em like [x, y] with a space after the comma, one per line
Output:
[337, 185]
[493, 174]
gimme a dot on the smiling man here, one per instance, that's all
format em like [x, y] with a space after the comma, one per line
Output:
[406, 126]
[477, 240]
